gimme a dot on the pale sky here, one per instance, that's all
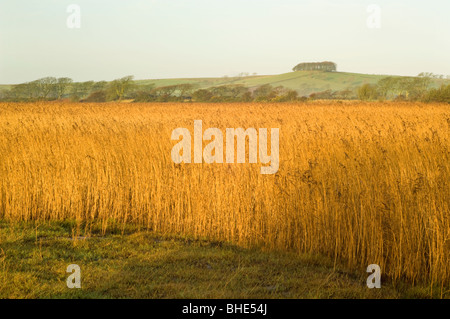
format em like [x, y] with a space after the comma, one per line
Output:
[205, 38]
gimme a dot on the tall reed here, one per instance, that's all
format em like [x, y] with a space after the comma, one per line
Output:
[363, 183]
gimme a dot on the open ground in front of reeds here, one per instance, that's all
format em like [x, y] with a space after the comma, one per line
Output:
[139, 264]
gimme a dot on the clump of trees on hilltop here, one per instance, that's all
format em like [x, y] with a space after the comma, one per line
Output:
[326, 66]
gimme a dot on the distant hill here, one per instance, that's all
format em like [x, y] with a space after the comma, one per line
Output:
[304, 82]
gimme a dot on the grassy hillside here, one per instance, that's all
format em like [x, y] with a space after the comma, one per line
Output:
[307, 82]
[304, 82]
[199, 82]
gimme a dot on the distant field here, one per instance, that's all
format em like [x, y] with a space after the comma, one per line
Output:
[304, 82]
[359, 183]
[307, 82]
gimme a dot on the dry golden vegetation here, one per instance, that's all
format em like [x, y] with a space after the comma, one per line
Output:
[363, 183]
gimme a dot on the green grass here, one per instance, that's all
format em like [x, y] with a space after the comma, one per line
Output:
[140, 264]
[307, 82]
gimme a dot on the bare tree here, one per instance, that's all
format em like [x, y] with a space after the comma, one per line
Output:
[45, 86]
[120, 87]
[61, 86]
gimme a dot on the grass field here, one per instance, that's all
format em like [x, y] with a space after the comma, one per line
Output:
[138, 264]
[304, 82]
[358, 184]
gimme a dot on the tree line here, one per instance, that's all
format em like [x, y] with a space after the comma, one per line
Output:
[50, 88]
[222, 93]
[405, 89]
[392, 88]
[388, 88]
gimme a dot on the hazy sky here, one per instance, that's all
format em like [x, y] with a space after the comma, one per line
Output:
[201, 38]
